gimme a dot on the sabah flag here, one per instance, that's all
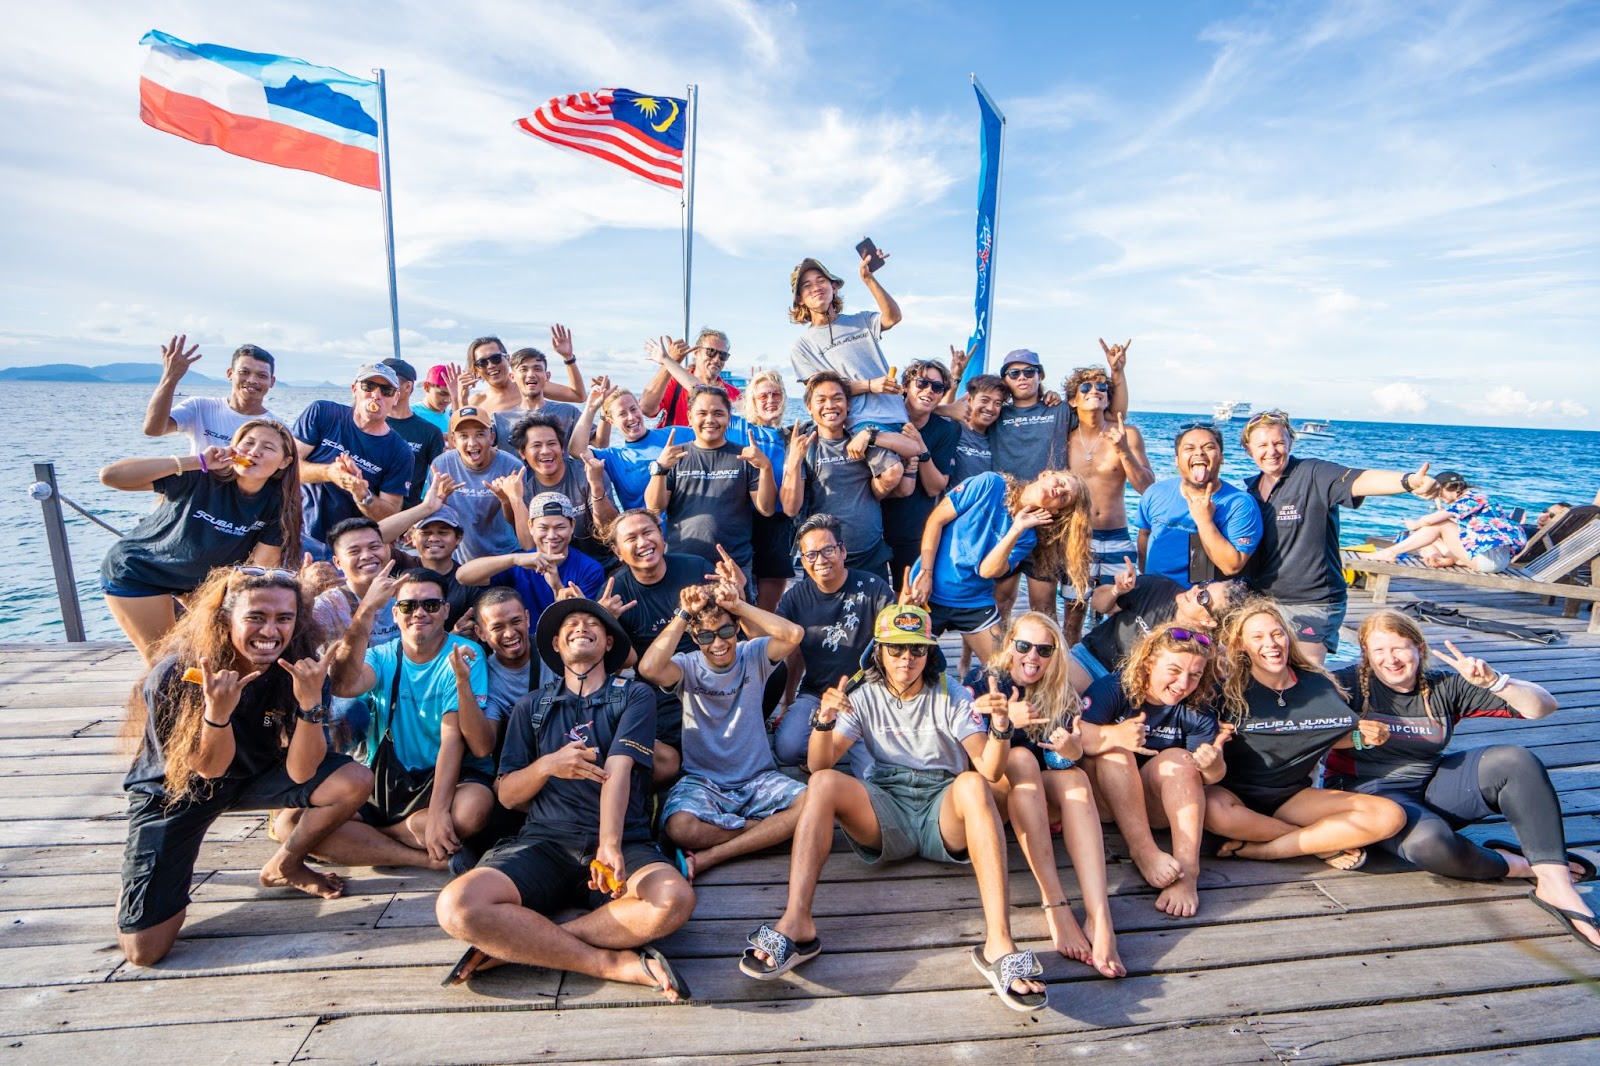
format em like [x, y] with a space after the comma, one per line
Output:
[273, 109]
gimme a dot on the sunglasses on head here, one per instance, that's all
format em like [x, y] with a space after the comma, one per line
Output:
[1086, 387]
[265, 571]
[704, 637]
[938, 388]
[900, 651]
[376, 386]
[1022, 372]
[489, 360]
[1184, 635]
[431, 605]
[1023, 647]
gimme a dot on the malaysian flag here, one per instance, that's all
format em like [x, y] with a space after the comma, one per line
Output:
[641, 134]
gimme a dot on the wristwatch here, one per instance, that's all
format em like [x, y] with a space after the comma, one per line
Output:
[818, 724]
[366, 501]
[1405, 482]
[1001, 734]
[924, 455]
[656, 469]
[318, 715]
[683, 614]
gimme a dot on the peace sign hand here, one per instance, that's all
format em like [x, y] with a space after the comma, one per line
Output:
[222, 688]
[1476, 671]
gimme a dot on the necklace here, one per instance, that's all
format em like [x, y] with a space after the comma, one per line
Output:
[1088, 451]
[1280, 691]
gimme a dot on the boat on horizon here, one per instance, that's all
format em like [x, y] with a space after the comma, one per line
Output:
[1315, 429]
[1228, 410]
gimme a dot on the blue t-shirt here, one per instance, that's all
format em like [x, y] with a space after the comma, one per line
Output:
[385, 461]
[628, 464]
[772, 440]
[1165, 513]
[980, 523]
[536, 592]
[1181, 726]
[427, 694]
[486, 530]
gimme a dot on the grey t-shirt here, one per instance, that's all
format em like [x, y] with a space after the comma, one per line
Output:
[923, 733]
[210, 423]
[841, 486]
[849, 346]
[974, 455]
[574, 485]
[334, 609]
[711, 504]
[506, 421]
[1027, 440]
[486, 530]
[508, 684]
[724, 731]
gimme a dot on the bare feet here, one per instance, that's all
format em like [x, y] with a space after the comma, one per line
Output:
[1439, 562]
[1157, 867]
[1066, 935]
[474, 962]
[281, 873]
[1384, 555]
[658, 977]
[1103, 940]
[1230, 850]
[1179, 899]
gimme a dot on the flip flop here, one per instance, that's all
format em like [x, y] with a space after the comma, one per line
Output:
[783, 954]
[1588, 868]
[1019, 965]
[1570, 920]
[683, 859]
[1348, 859]
[465, 967]
[648, 954]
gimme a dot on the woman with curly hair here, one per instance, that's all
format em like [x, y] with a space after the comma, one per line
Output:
[1043, 784]
[1153, 747]
[1442, 793]
[229, 718]
[982, 530]
[218, 507]
[1287, 712]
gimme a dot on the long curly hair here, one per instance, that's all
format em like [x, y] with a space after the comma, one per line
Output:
[1236, 676]
[1398, 625]
[1051, 694]
[205, 630]
[286, 482]
[1063, 548]
[1136, 671]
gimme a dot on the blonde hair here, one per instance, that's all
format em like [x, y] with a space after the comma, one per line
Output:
[747, 400]
[1395, 624]
[1063, 546]
[1262, 419]
[1136, 671]
[611, 400]
[1051, 694]
[1236, 666]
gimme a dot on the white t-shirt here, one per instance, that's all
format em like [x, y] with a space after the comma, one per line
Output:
[210, 422]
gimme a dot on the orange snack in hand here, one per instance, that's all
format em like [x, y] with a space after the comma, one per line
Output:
[194, 676]
[605, 876]
[244, 461]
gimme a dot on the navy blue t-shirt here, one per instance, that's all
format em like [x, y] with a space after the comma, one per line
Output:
[385, 461]
[201, 522]
[1180, 726]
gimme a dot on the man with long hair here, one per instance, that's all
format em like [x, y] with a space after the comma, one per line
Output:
[229, 718]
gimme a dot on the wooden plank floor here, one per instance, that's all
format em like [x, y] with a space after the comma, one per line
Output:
[1287, 962]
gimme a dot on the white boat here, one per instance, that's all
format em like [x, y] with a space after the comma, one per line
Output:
[1314, 429]
[1228, 410]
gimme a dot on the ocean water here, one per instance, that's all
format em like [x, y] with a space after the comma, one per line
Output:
[94, 424]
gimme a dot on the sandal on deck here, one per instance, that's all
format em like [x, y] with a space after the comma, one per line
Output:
[1570, 920]
[1348, 859]
[1019, 965]
[647, 955]
[683, 859]
[1588, 868]
[783, 954]
[465, 967]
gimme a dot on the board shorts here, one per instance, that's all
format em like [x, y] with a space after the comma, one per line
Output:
[164, 842]
[380, 812]
[906, 803]
[137, 590]
[551, 875]
[964, 620]
[1316, 623]
[764, 795]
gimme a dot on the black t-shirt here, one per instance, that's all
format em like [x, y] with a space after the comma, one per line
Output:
[1411, 754]
[1298, 561]
[1179, 726]
[569, 810]
[200, 523]
[904, 516]
[1152, 601]
[427, 444]
[711, 504]
[1277, 748]
[838, 625]
[645, 620]
[977, 682]
[459, 598]
[262, 724]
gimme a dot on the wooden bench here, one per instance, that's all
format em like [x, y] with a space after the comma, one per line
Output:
[1516, 579]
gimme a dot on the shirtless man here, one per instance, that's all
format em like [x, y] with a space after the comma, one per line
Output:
[489, 364]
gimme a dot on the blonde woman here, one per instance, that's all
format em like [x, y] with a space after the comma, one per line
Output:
[759, 420]
[1441, 793]
[1154, 746]
[1043, 784]
[1287, 713]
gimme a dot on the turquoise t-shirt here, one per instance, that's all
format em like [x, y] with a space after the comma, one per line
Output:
[427, 694]
[980, 523]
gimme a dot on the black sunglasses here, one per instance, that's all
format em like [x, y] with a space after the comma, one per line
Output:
[376, 386]
[428, 606]
[1094, 386]
[1182, 635]
[938, 388]
[704, 637]
[898, 651]
[713, 353]
[1202, 596]
[1025, 646]
[489, 360]
[1022, 372]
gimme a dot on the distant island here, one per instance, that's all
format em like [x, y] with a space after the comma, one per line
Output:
[121, 374]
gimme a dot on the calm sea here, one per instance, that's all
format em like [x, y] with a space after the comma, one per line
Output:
[94, 424]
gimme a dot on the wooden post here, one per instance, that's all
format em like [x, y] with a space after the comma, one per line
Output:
[1378, 585]
[55, 533]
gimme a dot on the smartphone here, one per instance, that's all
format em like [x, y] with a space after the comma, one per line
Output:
[868, 248]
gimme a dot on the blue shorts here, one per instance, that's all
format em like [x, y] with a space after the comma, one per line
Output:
[761, 797]
[136, 590]
[881, 427]
[1316, 623]
[1085, 658]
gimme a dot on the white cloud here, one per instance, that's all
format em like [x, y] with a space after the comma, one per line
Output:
[1400, 398]
[1507, 401]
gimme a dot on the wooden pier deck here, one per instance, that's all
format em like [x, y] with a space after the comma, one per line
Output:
[1288, 962]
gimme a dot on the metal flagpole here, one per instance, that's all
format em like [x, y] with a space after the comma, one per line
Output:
[999, 182]
[388, 209]
[688, 202]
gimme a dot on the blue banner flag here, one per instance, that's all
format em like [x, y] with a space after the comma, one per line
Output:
[991, 131]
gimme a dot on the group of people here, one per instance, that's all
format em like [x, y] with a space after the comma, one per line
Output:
[508, 628]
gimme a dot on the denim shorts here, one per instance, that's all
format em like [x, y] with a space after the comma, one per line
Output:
[906, 803]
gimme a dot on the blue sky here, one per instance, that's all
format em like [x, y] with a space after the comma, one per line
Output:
[1350, 210]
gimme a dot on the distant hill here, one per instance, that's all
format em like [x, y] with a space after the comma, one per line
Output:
[109, 374]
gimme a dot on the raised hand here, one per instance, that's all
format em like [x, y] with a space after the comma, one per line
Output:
[655, 350]
[455, 382]
[318, 577]
[906, 587]
[755, 457]
[993, 703]
[441, 486]
[308, 674]
[599, 389]
[611, 601]
[1116, 435]
[729, 596]
[594, 467]
[672, 453]
[1116, 355]
[569, 592]
[1209, 754]
[1202, 504]
[1126, 577]
[1031, 517]
[382, 589]
[835, 702]
[866, 274]
[799, 444]
[508, 486]
[1128, 734]
[561, 340]
[461, 660]
[958, 363]
[175, 361]
[727, 570]
[1476, 671]
[223, 688]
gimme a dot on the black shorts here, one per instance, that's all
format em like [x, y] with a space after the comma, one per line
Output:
[963, 620]
[772, 545]
[669, 719]
[553, 874]
[380, 812]
[164, 842]
[1266, 799]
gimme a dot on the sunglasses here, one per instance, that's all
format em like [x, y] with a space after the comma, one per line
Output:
[900, 651]
[704, 637]
[1086, 387]
[265, 571]
[821, 553]
[713, 353]
[489, 360]
[938, 388]
[376, 386]
[428, 606]
[1022, 372]
[1182, 635]
[1202, 596]
[1025, 646]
